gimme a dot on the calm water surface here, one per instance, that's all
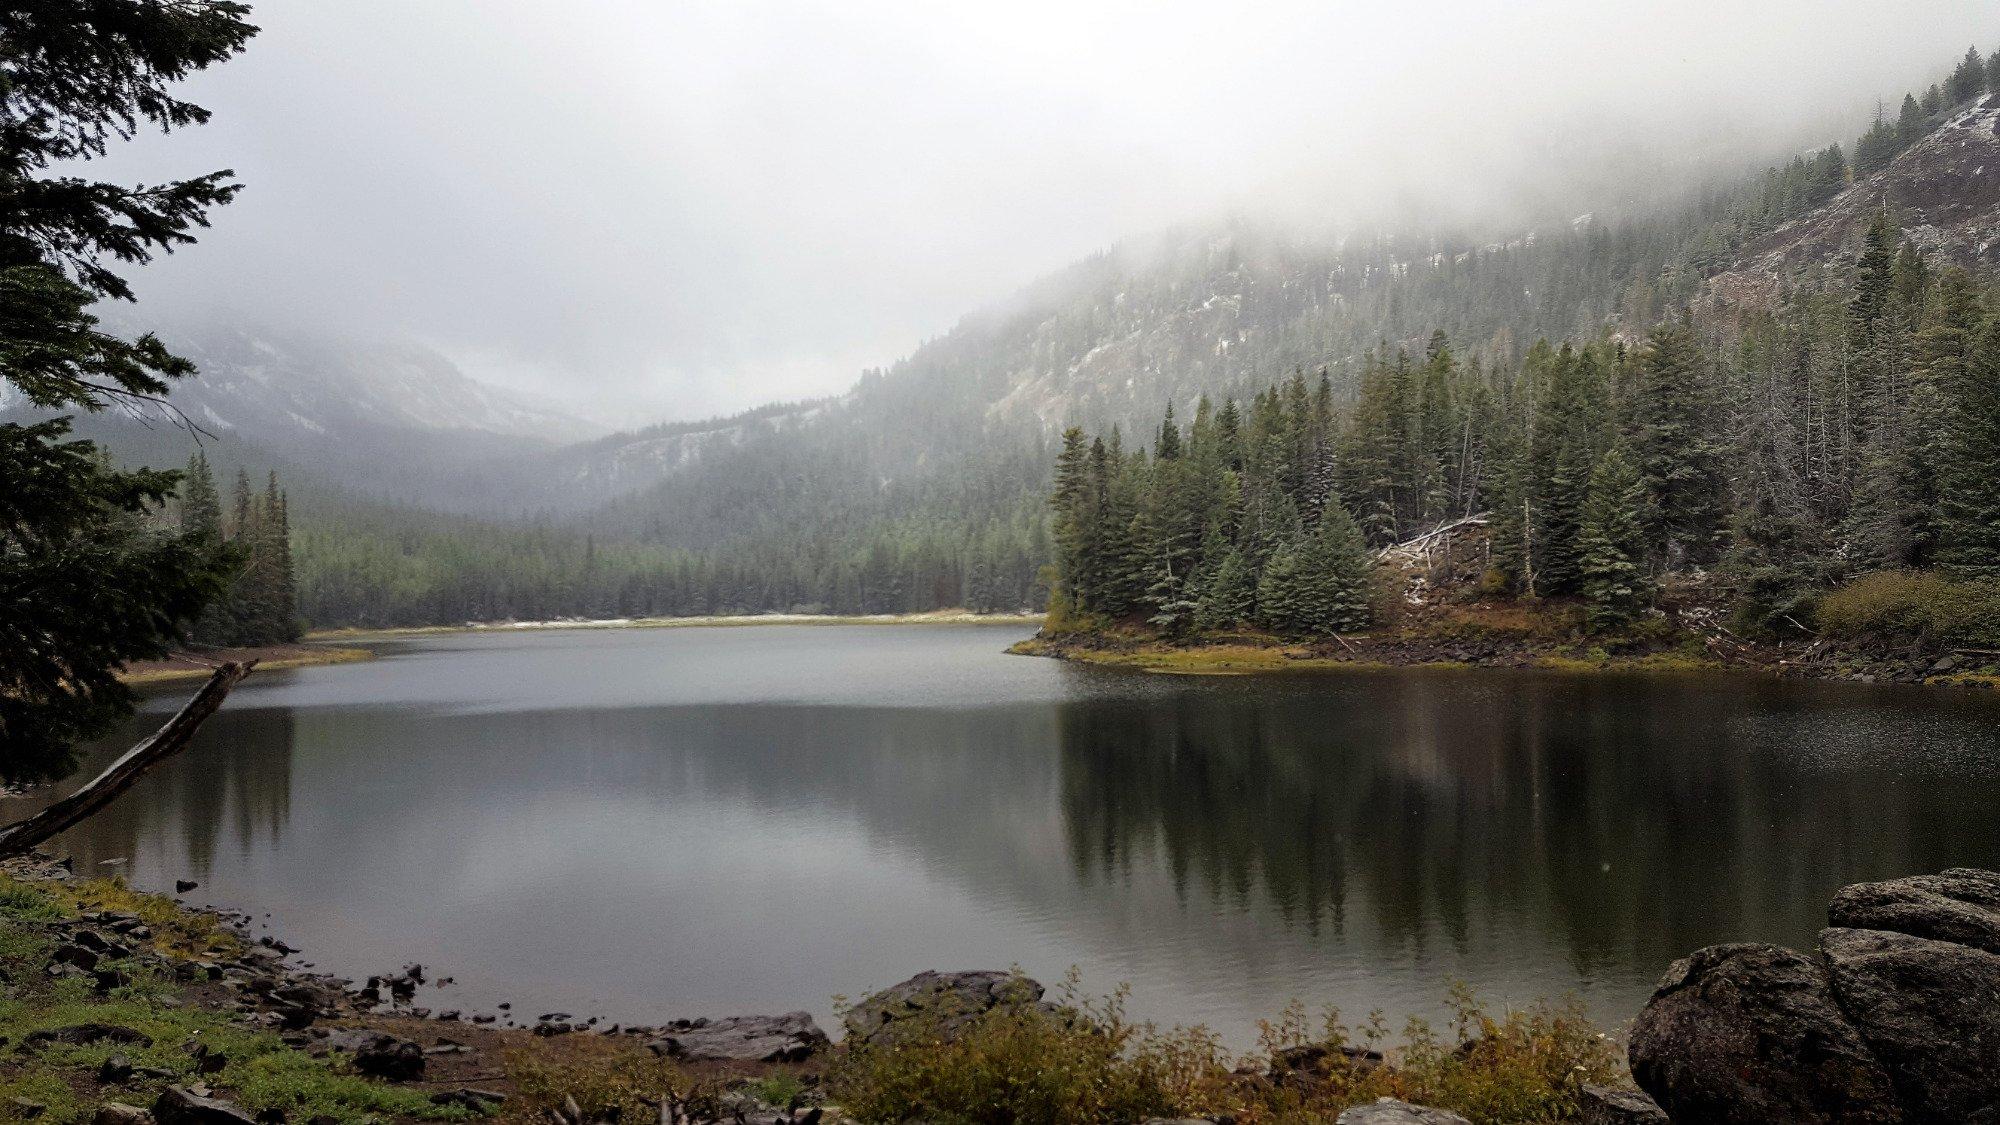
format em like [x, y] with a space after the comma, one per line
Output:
[651, 824]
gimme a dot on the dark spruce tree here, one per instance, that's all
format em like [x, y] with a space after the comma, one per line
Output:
[87, 582]
[1613, 545]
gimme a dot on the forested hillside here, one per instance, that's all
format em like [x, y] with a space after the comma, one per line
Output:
[924, 486]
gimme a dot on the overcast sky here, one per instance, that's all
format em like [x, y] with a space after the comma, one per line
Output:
[669, 209]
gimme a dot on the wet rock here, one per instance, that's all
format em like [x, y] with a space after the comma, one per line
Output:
[1389, 1111]
[178, 1105]
[1748, 1034]
[1930, 1011]
[118, 1113]
[1960, 905]
[183, 886]
[792, 1037]
[85, 1034]
[1610, 1105]
[942, 1002]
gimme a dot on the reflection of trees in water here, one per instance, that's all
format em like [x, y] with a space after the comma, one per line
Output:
[235, 779]
[1635, 821]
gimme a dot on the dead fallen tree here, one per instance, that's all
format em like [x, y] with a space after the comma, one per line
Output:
[1419, 547]
[23, 836]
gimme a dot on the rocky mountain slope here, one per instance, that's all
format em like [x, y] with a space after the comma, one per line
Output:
[1943, 191]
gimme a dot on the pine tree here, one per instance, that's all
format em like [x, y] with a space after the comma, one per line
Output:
[1229, 596]
[1278, 605]
[1674, 441]
[86, 582]
[282, 619]
[1968, 81]
[1910, 123]
[1972, 497]
[1874, 277]
[1613, 543]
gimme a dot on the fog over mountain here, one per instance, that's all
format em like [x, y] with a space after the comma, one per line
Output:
[639, 212]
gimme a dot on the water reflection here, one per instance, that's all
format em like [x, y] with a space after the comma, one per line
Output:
[679, 847]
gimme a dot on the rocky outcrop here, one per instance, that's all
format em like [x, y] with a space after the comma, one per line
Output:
[1894, 1018]
[1389, 1111]
[792, 1037]
[941, 1003]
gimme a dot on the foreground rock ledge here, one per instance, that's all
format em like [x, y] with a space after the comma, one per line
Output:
[1894, 1018]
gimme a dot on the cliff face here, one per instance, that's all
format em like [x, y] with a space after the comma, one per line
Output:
[1943, 191]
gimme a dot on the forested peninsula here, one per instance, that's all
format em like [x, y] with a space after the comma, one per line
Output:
[1810, 489]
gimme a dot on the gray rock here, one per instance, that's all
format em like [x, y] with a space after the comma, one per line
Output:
[118, 1113]
[378, 1055]
[27, 1109]
[1610, 1105]
[792, 1037]
[1930, 1010]
[1960, 905]
[115, 1069]
[1749, 1034]
[942, 1003]
[1389, 1111]
[178, 1105]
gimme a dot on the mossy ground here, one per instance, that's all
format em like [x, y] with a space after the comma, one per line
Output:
[261, 1072]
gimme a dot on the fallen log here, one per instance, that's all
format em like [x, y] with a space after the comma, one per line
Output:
[1409, 547]
[23, 836]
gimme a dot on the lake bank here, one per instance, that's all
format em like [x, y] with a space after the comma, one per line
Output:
[1511, 638]
[120, 1000]
[934, 617]
[199, 666]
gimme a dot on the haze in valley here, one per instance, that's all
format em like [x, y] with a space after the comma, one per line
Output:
[650, 211]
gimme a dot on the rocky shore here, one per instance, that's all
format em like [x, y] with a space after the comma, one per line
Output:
[127, 1009]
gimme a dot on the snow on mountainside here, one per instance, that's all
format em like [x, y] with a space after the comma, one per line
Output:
[1943, 191]
[622, 462]
[280, 388]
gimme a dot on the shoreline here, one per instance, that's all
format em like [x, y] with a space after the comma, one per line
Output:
[1682, 654]
[273, 658]
[122, 998]
[712, 621]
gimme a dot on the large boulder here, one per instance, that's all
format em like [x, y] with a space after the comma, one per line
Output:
[1748, 1034]
[941, 1003]
[1930, 1010]
[1389, 1111]
[1961, 906]
[792, 1037]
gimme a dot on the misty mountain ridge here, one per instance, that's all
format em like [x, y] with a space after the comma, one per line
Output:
[958, 432]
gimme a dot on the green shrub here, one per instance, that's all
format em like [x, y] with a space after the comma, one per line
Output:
[1088, 1065]
[1914, 605]
[1023, 1066]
